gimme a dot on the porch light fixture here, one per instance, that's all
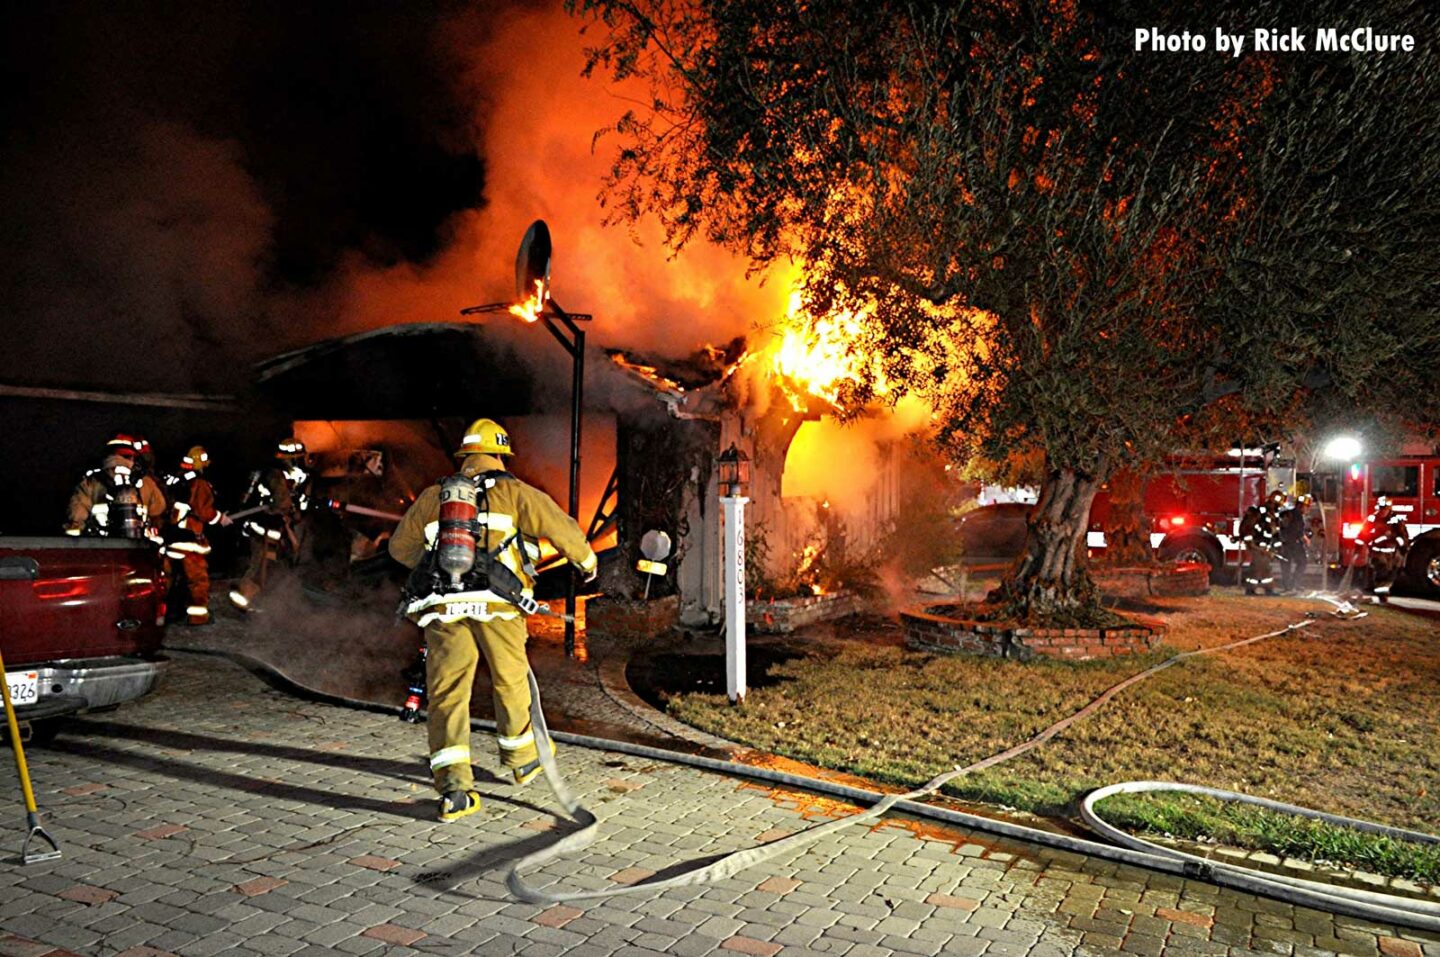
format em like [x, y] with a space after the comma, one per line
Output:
[734, 473]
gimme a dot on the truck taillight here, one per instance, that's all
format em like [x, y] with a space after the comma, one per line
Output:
[136, 588]
[1351, 529]
[1173, 521]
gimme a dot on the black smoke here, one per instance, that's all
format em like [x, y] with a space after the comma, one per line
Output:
[169, 172]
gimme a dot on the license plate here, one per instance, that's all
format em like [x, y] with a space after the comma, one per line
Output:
[24, 687]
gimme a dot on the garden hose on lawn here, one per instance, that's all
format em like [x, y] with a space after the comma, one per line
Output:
[1365, 905]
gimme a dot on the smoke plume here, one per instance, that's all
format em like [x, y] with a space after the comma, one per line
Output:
[535, 117]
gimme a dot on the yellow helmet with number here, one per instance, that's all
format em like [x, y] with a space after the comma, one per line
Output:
[487, 436]
[195, 460]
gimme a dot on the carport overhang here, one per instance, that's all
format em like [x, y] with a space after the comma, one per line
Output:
[420, 371]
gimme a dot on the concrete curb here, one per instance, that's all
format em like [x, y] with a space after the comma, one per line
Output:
[611, 672]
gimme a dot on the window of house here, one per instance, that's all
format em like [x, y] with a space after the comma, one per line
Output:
[1402, 481]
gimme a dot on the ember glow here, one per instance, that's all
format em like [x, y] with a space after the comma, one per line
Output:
[815, 359]
[530, 309]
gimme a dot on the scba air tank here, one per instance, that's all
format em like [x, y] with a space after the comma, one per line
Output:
[455, 544]
[124, 518]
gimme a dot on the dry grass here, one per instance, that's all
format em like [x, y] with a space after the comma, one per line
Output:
[1340, 717]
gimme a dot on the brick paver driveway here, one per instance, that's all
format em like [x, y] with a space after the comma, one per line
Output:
[219, 816]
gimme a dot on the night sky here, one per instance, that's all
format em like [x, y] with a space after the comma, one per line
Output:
[174, 173]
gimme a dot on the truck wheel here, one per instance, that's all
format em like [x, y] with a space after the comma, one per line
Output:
[1423, 567]
[1196, 550]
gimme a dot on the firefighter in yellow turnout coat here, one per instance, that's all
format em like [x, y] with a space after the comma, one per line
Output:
[463, 623]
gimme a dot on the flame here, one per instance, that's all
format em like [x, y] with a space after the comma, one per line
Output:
[530, 309]
[648, 373]
[805, 568]
[815, 359]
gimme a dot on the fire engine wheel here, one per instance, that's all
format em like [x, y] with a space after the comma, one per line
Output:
[1424, 567]
[1199, 551]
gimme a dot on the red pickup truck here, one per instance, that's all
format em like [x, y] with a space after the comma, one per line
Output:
[81, 623]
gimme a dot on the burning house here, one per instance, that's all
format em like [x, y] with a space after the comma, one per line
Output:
[382, 409]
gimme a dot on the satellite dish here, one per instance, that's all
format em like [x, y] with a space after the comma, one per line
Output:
[532, 264]
[655, 545]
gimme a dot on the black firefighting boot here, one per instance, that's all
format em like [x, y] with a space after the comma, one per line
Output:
[526, 772]
[456, 804]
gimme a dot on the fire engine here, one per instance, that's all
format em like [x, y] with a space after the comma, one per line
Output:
[1412, 483]
[1195, 505]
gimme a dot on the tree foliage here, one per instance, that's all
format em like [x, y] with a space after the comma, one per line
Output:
[1068, 246]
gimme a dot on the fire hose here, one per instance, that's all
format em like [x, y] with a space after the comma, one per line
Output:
[338, 506]
[1365, 905]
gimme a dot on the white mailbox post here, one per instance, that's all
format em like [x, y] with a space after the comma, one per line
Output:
[734, 481]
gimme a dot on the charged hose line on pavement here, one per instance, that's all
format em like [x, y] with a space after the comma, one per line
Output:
[739, 860]
[1092, 817]
[1379, 908]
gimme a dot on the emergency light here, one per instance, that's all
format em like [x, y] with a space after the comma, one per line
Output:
[1351, 529]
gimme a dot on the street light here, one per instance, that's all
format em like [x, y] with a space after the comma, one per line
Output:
[532, 290]
[734, 482]
[1342, 448]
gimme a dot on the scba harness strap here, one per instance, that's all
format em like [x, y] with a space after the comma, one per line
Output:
[490, 581]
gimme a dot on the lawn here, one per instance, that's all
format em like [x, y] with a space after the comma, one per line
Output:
[1341, 716]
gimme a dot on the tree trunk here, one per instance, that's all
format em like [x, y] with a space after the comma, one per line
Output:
[1127, 527]
[1049, 580]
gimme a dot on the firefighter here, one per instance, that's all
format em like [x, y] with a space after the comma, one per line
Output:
[110, 502]
[480, 611]
[141, 456]
[1294, 532]
[282, 493]
[1258, 531]
[1386, 541]
[192, 513]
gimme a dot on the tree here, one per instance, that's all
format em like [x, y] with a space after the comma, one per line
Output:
[1069, 247]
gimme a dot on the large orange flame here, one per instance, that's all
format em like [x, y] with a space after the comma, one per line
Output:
[815, 359]
[530, 309]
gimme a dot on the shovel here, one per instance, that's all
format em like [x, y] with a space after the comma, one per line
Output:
[36, 832]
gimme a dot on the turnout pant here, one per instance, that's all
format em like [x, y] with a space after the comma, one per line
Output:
[454, 650]
[197, 587]
[1294, 561]
[264, 549]
[1259, 571]
[1384, 569]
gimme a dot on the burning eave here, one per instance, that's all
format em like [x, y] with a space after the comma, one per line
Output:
[697, 386]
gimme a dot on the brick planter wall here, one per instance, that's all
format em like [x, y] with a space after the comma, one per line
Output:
[943, 629]
[784, 615]
[621, 617]
[1170, 580]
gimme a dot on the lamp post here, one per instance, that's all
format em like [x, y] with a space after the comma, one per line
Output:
[532, 288]
[1340, 448]
[734, 482]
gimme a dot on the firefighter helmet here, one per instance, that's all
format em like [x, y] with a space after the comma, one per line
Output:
[1382, 502]
[291, 448]
[124, 444]
[195, 460]
[1277, 497]
[487, 436]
